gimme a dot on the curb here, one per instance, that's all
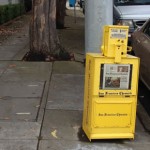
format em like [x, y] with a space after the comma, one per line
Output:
[143, 117]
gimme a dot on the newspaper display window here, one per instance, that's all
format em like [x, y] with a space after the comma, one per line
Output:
[116, 76]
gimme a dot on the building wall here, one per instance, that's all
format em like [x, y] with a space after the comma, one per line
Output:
[5, 2]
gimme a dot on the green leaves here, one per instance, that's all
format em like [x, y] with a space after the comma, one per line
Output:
[9, 12]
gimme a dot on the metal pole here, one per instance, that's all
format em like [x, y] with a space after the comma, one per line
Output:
[97, 14]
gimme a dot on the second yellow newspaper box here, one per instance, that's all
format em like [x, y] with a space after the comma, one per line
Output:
[111, 83]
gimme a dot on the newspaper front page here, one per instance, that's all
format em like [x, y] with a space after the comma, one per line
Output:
[116, 76]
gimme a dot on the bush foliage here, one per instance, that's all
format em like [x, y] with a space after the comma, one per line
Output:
[8, 12]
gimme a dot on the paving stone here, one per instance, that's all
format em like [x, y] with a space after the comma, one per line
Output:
[19, 109]
[19, 130]
[143, 115]
[41, 77]
[20, 55]
[138, 125]
[141, 136]
[6, 55]
[29, 67]
[11, 48]
[60, 124]
[16, 41]
[68, 67]
[27, 71]
[66, 125]
[80, 57]
[72, 38]
[18, 144]
[3, 67]
[21, 89]
[98, 145]
[66, 92]
[8, 52]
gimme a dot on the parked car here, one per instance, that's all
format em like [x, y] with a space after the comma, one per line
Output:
[132, 13]
[141, 47]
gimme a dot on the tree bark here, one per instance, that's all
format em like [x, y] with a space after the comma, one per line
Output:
[60, 13]
[43, 33]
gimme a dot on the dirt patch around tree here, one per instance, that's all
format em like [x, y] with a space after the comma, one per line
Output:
[40, 56]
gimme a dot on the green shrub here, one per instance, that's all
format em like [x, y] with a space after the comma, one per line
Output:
[8, 12]
[16, 10]
[3, 14]
[22, 8]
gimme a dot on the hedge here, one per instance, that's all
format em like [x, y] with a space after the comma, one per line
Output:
[8, 12]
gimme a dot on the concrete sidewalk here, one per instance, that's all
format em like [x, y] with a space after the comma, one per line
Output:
[41, 103]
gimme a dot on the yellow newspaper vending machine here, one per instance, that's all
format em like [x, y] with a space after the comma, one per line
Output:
[111, 86]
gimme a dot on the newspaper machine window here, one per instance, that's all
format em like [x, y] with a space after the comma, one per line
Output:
[116, 76]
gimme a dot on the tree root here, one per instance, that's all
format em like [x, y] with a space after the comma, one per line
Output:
[58, 55]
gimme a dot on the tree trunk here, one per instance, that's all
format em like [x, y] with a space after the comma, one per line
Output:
[43, 34]
[60, 13]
